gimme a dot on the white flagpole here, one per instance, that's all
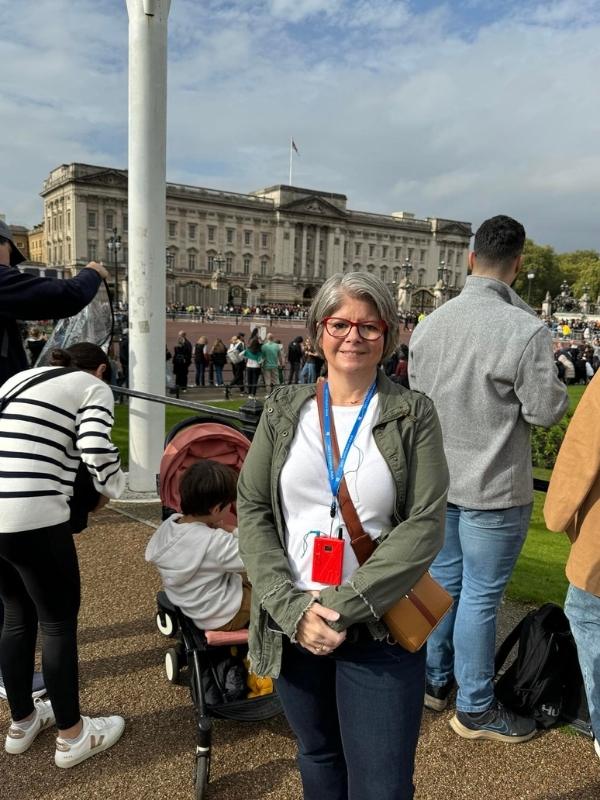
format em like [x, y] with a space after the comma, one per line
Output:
[291, 161]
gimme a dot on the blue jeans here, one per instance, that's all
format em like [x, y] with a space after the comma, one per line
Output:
[583, 612]
[475, 564]
[356, 714]
[308, 373]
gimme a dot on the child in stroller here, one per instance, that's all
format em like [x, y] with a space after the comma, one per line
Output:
[207, 655]
[197, 554]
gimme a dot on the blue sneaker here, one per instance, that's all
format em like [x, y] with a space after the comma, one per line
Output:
[497, 723]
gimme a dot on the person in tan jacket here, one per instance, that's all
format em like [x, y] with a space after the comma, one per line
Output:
[573, 505]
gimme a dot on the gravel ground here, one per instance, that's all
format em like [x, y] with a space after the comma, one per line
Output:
[121, 657]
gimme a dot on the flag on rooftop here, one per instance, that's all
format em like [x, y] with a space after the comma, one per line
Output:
[294, 146]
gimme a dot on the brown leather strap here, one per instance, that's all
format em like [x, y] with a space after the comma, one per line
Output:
[361, 542]
[420, 606]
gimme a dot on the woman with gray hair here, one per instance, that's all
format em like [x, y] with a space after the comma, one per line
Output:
[353, 699]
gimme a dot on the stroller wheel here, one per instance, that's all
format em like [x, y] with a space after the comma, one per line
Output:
[172, 665]
[201, 771]
[165, 623]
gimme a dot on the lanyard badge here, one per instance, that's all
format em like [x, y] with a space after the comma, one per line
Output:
[328, 552]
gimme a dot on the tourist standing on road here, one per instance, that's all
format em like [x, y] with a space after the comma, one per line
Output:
[69, 416]
[294, 358]
[187, 350]
[180, 364]
[486, 361]
[201, 359]
[353, 700]
[254, 360]
[218, 358]
[272, 361]
[309, 365]
[235, 356]
[573, 505]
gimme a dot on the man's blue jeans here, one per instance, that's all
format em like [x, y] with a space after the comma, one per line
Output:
[479, 554]
[356, 714]
[583, 611]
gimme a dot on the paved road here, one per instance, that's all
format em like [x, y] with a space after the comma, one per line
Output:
[121, 657]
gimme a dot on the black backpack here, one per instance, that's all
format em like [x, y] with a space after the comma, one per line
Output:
[544, 681]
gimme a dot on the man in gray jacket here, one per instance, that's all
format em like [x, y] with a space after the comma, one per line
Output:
[486, 361]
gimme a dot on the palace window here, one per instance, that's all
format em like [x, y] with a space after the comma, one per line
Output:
[192, 230]
[247, 237]
[230, 235]
[263, 266]
[92, 250]
[264, 239]
[172, 230]
[228, 263]
[247, 262]
[92, 219]
[109, 220]
[192, 261]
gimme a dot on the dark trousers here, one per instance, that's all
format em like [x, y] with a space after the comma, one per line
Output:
[356, 714]
[294, 374]
[252, 376]
[238, 375]
[39, 578]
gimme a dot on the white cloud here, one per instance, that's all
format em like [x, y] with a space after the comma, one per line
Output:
[399, 110]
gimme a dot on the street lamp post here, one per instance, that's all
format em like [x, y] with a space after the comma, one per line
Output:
[443, 275]
[114, 245]
[530, 277]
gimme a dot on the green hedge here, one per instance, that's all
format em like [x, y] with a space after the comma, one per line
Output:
[546, 442]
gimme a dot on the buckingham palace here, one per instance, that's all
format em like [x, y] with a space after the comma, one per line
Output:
[274, 245]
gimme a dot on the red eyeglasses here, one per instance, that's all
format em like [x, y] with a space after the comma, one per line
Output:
[339, 328]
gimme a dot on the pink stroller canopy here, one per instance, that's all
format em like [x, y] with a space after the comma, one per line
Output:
[193, 443]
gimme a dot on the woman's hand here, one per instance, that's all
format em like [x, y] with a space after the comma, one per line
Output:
[314, 634]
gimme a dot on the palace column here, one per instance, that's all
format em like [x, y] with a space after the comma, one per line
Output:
[317, 251]
[329, 270]
[303, 251]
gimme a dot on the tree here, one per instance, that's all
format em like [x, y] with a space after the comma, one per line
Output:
[543, 262]
[582, 268]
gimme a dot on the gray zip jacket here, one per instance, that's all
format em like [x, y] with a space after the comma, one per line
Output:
[486, 361]
[408, 435]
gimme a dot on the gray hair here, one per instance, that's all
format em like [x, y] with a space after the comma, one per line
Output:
[362, 286]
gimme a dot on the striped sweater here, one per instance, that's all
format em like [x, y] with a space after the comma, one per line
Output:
[44, 434]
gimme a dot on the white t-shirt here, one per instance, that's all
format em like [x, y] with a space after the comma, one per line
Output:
[306, 494]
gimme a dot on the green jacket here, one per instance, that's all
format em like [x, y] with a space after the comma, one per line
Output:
[409, 438]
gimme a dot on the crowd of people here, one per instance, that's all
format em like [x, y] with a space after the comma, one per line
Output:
[433, 468]
[209, 313]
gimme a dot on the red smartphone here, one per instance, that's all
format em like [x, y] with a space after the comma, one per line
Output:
[328, 558]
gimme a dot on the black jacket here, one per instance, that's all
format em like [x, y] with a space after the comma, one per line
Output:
[24, 296]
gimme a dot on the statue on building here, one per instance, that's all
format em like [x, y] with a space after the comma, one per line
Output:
[405, 295]
[438, 294]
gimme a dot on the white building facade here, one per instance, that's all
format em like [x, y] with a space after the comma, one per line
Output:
[273, 246]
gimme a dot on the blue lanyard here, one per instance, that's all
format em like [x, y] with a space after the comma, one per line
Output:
[335, 477]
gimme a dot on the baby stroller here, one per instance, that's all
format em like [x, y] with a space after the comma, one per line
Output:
[213, 660]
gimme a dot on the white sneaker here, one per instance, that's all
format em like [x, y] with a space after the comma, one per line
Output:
[19, 739]
[98, 734]
[597, 747]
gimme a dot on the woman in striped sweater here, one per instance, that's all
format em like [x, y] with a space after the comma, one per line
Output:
[46, 431]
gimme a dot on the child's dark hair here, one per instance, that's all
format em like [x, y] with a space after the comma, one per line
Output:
[83, 355]
[207, 484]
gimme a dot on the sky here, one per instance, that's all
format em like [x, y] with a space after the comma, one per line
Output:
[459, 110]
